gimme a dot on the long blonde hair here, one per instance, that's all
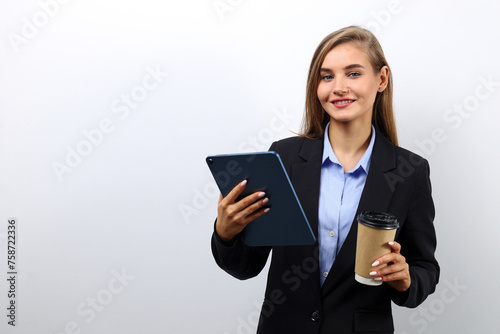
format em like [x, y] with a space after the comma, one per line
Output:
[315, 118]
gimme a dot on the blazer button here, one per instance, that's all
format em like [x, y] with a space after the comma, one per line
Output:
[315, 316]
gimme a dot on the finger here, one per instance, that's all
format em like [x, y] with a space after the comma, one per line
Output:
[395, 249]
[251, 209]
[387, 258]
[220, 198]
[393, 268]
[397, 276]
[236, 191]
[395, 246]
[237, 212]
[240, 214]
[242, 218]
[256, 215]
[248, 201]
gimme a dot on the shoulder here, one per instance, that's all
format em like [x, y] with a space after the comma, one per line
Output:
[412, 166]
[298, 148]
[404, 171]
[411, 157]
[391, 156]
[291, 143]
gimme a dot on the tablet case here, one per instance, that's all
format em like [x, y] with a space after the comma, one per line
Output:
[285, 224]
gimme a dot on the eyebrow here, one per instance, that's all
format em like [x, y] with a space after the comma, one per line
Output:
[348, 67]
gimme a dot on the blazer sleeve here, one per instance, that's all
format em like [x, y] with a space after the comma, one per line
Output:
[418, 243]
[238, 259]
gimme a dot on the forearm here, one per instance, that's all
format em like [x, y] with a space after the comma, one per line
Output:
[238, 259]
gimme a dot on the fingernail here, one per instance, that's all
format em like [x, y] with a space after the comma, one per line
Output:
[261, 194]
[373, 273]
[244, 183]
[377, 279]
[376, 263]
[265, 200]
[391, 243]
[266, 210]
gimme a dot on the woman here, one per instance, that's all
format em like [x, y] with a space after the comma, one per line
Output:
[346, 161]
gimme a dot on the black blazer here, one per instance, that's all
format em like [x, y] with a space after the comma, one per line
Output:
[397, 183]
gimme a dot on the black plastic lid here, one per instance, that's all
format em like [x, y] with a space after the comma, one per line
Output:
[378, 220]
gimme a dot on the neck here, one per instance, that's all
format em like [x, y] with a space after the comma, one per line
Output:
[349, 141]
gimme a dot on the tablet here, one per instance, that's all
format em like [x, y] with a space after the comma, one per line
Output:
[285, 224]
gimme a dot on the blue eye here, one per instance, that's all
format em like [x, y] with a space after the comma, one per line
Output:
[327, 77]
[354, 74]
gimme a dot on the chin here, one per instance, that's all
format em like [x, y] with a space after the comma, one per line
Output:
[342, 118]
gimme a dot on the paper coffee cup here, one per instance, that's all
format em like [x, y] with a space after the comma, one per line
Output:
[375, 230]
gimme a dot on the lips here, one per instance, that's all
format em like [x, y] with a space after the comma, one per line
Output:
[342, 103]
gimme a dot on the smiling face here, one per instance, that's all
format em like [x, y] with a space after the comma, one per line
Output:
[349, 84]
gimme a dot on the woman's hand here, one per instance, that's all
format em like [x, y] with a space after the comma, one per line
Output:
[233, 216]
[397, 272]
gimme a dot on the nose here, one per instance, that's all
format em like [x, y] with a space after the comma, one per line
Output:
[339, 87]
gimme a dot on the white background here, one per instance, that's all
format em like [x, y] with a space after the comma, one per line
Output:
[140, 202]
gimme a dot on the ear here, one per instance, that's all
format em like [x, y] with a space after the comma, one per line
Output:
[383, 76]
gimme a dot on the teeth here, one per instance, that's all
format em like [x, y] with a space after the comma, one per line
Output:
[343, 101]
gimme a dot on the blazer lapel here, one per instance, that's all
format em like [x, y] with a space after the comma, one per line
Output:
[377, 194]
[306, 178]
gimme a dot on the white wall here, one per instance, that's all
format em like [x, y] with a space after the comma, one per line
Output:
[117, 241]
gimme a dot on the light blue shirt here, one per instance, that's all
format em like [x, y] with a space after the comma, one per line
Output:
[338, 201]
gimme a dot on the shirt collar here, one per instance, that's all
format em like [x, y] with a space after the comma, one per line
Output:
[364, 162]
